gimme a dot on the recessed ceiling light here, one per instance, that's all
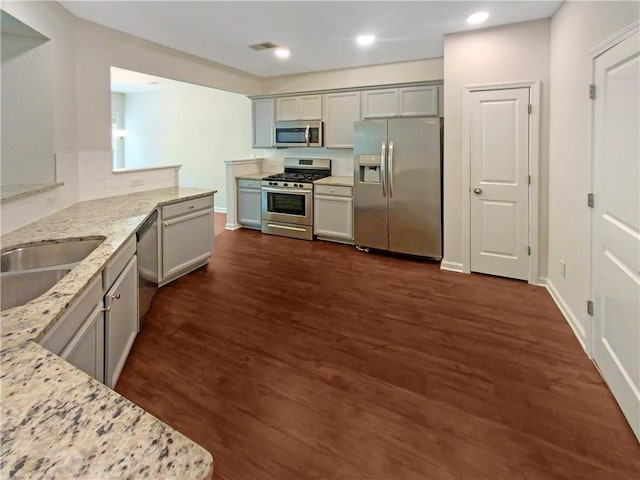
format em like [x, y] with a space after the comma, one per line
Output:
[282, 52]
[365, 39]
[477, 18]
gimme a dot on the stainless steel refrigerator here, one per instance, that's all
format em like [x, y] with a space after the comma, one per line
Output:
[397, 185]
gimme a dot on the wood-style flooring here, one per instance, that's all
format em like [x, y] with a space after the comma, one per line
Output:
[290, 359]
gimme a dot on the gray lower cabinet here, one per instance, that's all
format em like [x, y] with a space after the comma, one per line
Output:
[187, 237]
[86, 349]
[249, 203]
[78, 336]
[333, 213]
[121, 320]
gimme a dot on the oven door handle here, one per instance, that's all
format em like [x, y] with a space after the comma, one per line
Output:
[290, 192]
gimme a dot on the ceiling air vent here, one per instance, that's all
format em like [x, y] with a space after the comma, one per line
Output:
[263, 46]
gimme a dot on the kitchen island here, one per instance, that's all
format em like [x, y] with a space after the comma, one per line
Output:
[56, 420]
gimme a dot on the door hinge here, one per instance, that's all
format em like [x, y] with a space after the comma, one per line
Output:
[590, 307]
[529, 250]
[592, 91]
[590, 200]
[530, 108]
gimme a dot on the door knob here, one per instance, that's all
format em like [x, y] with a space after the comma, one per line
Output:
[477, 191]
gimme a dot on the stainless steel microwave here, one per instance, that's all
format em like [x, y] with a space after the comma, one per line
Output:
[299, 134]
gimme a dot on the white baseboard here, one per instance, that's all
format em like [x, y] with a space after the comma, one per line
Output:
[451, 266]
[220, 209]
[232, 226]
[568, 314]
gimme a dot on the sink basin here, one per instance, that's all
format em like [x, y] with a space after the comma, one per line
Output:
[47, 254]
[18, 288]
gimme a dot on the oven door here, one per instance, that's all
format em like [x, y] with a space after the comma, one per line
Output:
[287, 205]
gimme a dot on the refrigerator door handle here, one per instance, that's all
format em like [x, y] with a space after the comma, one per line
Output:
[390, 169]
[383, 169]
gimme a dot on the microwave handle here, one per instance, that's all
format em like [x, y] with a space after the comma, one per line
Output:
[306, 134]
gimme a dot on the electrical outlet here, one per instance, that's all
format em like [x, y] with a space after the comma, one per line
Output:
[563, 269]
[136, 182]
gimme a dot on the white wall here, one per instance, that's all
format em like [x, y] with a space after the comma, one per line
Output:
[190, 125]
[27, 114]
[517, 52]
[401, 72]
[82, 54]
[576, 28]
[56, 23]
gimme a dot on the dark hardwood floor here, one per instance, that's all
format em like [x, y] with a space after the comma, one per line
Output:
[295, 360]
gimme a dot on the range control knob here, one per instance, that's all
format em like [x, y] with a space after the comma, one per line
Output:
[295, 185]
[286, 185]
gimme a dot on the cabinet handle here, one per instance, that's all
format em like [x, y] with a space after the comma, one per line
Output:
[191, 207]
[107, 309]
[116, 296]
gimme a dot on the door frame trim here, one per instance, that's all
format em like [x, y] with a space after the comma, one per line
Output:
[594, 53]
[534, 162]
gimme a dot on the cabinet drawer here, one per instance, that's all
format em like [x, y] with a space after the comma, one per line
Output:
[336, 190]
[245, 183]
[118, 262]
[67, 326]
[186, 207]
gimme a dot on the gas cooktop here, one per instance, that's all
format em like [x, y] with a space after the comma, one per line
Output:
[297, 177]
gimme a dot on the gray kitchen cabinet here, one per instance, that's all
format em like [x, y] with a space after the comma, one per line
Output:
[187, 237]
[340, 111]
[86, 349]
[78, 336]
[263, 116]
[306, 107]
[333, 213]
[400, 102]
[120, 317]
[250, 203]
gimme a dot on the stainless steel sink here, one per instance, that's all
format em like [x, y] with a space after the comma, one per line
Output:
[47, 254]
[18, 288]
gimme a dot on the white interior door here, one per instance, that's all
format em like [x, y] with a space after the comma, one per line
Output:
[499, 169]
[616, 224]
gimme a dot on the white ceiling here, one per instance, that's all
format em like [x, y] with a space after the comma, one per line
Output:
[320, 34]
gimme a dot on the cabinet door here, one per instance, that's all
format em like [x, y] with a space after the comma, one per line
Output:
[121, 320]
[310, 107]
[380, 103]
[286, 108]
[250, 207]
[418, 101]
[86, 350]
[333, 217]
[186, 242]
[340, 111]
[263, 118]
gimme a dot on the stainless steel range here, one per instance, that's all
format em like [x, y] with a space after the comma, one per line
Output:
[287, 198]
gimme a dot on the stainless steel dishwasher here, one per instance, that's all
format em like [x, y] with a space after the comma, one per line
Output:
[147, 245]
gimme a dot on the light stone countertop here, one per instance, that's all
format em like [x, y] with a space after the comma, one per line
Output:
[58, 422]
[45, 400]
[14, 192]
[115, 218]
[254, 176]
[338, 181]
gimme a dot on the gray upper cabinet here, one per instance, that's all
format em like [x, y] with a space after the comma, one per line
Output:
[400, 102]
[340, 111]
[306, 107]
[263, 115]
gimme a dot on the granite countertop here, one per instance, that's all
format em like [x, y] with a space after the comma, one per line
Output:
[37, 384]
[254, 176]
[58, 422]
[339, 181]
